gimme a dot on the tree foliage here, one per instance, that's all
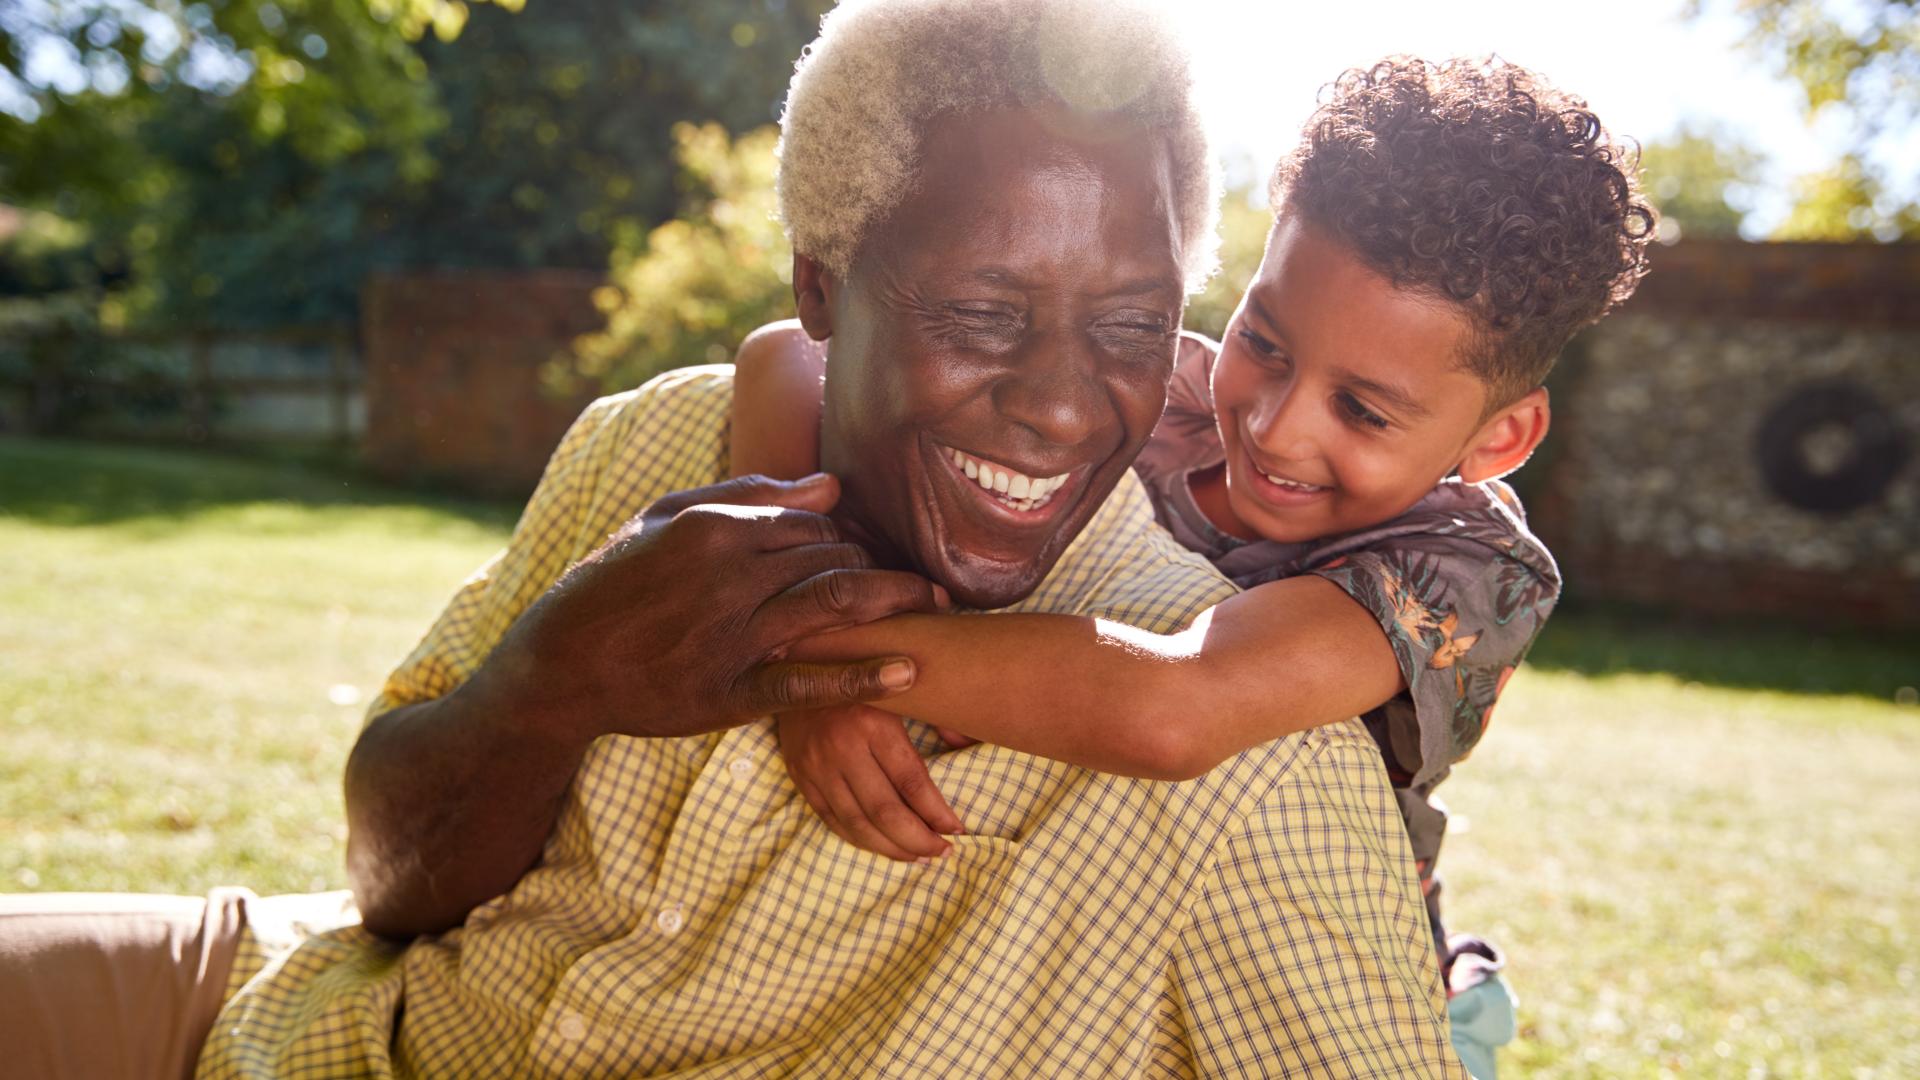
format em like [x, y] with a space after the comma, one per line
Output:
[1701, 180]
[1244, 221]
[1847, 202]
[1859, 63]
[251, 161]
[688, 291]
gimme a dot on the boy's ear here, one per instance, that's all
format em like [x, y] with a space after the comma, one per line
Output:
[1508, 438]
[813, 288]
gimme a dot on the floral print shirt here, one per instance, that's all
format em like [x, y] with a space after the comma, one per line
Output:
[1459, 585]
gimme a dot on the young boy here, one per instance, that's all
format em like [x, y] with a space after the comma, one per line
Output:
[1439, 234]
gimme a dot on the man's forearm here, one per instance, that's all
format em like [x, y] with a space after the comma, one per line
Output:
[675, 626]
[449, 802]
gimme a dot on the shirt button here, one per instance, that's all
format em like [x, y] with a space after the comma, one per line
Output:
[670, 920]
[572, 1027]
[740, 767]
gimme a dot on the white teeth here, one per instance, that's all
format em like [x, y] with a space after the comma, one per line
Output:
[1017, 490]
[1285, 483]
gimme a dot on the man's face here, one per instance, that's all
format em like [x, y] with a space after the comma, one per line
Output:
[1340, 397]
[1001, 349]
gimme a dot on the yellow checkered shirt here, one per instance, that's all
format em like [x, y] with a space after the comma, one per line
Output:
[691, 917]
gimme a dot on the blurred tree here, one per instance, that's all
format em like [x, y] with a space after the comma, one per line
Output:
[252, 161]
[41, 254]
[1244, 221]
[1701, 181]
[688, 291]
[1858, 63]
[1846, 202]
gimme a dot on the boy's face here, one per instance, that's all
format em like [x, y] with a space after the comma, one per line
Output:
[1341, 399]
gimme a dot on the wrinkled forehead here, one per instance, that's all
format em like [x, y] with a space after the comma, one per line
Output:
[1044, 191]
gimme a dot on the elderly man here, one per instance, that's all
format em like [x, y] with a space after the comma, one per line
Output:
[997, 207]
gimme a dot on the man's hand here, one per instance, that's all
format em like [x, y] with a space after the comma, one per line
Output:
[857, 769]
[679, 623]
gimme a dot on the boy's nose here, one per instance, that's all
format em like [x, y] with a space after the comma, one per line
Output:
[1282, 426]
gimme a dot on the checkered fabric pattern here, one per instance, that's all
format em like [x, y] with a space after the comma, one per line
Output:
[691, 917]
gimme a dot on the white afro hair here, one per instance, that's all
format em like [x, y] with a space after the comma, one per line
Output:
[880, 70]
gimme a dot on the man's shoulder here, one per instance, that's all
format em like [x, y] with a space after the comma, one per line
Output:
[1124, 566]
[684, 397]
[667, 434]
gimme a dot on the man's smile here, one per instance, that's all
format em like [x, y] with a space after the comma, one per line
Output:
[1009, 487]
[1001, 495]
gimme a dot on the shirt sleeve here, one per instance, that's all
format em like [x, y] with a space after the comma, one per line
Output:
[545, 542]
[1306, 950]
[1460, 614]
[1185, 437]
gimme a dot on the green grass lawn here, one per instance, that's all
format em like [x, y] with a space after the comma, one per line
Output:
[1697, 844]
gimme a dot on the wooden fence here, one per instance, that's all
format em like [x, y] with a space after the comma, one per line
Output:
[290, 384]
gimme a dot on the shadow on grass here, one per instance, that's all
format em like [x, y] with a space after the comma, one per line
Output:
[80, 484]
[76, 484]
[1749, 655]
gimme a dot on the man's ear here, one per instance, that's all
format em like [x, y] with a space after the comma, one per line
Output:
[1508, 438]
[813, 288]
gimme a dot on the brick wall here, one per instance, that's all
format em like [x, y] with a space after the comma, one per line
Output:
[452, 374]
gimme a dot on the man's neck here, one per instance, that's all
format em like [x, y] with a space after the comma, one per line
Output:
[854, 529]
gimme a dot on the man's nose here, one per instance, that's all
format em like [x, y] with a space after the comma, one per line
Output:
[1053, 388]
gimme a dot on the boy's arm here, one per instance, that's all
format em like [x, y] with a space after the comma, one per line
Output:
[776, 402]
[1280, 658]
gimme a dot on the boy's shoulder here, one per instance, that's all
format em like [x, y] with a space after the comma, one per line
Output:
[1471, 525]
[1487, 514]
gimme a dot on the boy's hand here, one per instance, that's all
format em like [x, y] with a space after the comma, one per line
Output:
[858, 770]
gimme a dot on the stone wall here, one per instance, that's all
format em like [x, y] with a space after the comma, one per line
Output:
[1742, 437]
[453, 374]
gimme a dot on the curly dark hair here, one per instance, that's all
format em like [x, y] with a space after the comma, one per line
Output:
[1476, 181]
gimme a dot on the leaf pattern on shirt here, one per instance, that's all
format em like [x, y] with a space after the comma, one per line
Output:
[1452, 645]
[1518, 590]
[1407, 591]
[1480, 689]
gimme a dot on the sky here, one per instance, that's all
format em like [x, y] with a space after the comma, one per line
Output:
[1642, 66]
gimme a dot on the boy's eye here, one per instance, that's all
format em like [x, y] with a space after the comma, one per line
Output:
[1259, 344]
[1358, 412]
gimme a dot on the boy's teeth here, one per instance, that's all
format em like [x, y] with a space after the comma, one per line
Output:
[1017, 490]
[1286, 483]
